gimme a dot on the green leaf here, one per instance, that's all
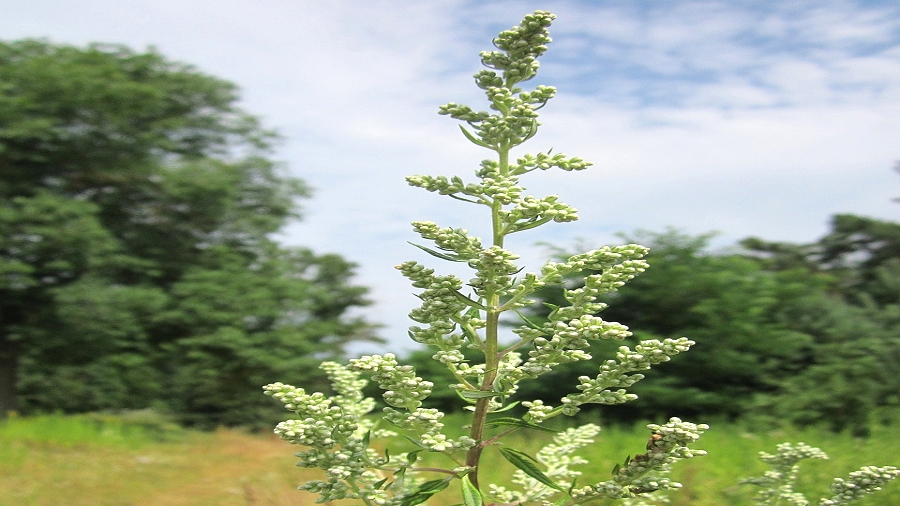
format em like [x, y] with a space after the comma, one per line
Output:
[507, 407]
[477, 394]
[412, 336]
[442, 256]
[412, 457]
[423, 492]
[517, 422]
[457, 197]
[471, 496]
[413, 441]
[473, 139]
[528, 322]
[528, 224]
[473, 313]
[618, 467]
[572, 486]
[526, 463]
[468, 301]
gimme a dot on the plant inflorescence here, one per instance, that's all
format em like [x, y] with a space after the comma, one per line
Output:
[457, 315]
[777, 485]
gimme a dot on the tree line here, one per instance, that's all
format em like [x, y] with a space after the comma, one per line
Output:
[139, 269]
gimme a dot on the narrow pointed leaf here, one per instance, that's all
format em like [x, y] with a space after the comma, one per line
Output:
[572, 486]
[469, 302]
[442, 256]
[413, 441]
[517, 422]
[412, 336]
[473, 139]
[528, 225]
[471, 496]
[457, 197]
[528, 322]
[423, 492]
[507, 407]
[526, 463]
[477, 394]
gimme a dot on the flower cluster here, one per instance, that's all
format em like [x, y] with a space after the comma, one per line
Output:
[616, 374]
[403, 389]
[557, 459]
[777, 484]
[647, 472]
[859, 484]
[545, 161]
[336, 433]
[453, 240]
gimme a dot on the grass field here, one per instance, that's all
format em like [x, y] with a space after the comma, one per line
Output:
[114, 461]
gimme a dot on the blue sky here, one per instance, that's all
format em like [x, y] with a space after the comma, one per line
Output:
[746, 118]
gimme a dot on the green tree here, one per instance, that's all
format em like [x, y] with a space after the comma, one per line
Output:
[851, 373]
[726, 302]
[137, 265]
[786, 332]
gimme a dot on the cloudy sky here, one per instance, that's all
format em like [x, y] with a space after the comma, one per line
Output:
[746, 118]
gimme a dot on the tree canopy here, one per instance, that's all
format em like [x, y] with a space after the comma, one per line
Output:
[137, 265]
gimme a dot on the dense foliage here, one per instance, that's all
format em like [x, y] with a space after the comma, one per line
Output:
[137, 268]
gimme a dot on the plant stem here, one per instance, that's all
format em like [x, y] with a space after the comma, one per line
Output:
[491, 342]
[479, 418]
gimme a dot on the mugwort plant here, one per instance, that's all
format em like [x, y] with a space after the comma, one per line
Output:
[367, 458]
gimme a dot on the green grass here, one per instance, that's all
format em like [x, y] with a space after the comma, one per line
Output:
[125, 430]
[733, 454]
[20, 437]
[141, 460]
[733, 449]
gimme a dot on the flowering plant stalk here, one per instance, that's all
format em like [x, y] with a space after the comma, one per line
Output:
[341, 438]
[777, 485]
[361, 454]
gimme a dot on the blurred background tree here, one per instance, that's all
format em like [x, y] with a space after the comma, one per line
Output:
[137, 265]
[726, 302]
